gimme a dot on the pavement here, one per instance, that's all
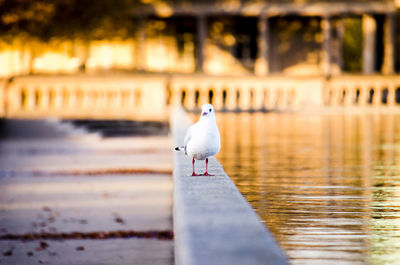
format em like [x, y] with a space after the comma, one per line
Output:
[213, 222]
[69, 197]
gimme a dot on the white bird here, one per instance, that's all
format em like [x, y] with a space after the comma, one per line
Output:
[202, 138]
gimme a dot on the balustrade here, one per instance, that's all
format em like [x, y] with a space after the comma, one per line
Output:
[85, 97]
[363, 91]
[233, 94]
[149, 97]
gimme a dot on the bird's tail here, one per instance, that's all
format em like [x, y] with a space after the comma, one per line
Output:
[180, 148]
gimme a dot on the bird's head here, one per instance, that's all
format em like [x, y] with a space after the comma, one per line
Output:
[207, 110]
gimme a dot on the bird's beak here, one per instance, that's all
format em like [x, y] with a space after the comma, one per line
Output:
[204, 114]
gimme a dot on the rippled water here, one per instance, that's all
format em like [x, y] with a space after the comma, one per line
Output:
[327, 186]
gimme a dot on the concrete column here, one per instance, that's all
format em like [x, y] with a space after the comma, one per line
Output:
[203, 96]
[175, 95]
[349, 97]
[369, 39]
[388, 38]
[363, 97]
[218, 98]
[189, 102]
[58, 97]
[73, 96]
[332, 101]
[261, 65]
[141, 45]
[201, 42]
[132, 99]
[30, 98]
[43, 98]
[103, 97]
[272, 97]
[258, 101]
[87, 101]
[118, 98]
[230, 103]
[377, 98]
[267, 95]
[326, 25]
[244, 98]
[391, 97]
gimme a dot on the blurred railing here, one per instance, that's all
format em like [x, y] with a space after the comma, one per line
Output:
[243, 93]
[133, 97]
[148, 97]
[362, 90]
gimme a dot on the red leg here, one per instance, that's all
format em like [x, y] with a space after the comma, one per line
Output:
[206, 173]
[193, 174]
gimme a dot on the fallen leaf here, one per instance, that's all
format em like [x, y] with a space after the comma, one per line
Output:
[46, 209]
[119, 220]
[42, 246]
[8, 253]
[80, 248]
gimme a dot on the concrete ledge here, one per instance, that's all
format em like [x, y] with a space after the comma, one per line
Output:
[213, 223]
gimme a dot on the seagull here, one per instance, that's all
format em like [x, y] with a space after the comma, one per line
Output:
[202, 138]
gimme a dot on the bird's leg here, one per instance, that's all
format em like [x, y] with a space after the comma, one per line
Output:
[206, 173]
[193, 174]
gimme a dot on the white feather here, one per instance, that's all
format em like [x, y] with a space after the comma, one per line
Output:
[202, 139]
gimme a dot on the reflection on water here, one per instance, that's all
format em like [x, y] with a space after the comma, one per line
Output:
[327, 186]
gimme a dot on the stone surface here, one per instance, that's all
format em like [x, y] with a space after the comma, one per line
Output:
[213, 223]
[85, 204]
[75, 182]
[88, 153]
[88, 252]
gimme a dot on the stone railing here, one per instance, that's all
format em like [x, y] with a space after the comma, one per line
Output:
[133, 97]
[244, 93]
[362, 90]
[148, 97]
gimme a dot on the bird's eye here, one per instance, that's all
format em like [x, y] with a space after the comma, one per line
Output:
[210, 109]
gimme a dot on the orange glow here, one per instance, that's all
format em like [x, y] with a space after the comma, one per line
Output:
[111, 54]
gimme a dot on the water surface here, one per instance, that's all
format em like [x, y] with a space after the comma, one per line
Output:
[327, 186]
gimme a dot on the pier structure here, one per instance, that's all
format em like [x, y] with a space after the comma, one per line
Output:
[377, 18]
[213, 222]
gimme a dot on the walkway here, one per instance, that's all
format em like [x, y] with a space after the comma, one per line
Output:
[68, 198]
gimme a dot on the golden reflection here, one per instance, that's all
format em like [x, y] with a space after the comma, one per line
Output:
[327, 186]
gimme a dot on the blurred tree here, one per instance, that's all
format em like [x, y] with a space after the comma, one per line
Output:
[352, 45]
[19, 16]
[33, 21]
[66, 18]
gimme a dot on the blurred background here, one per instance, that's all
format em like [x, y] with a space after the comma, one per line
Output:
[238, 55]
[308, 37]
[308, 95]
